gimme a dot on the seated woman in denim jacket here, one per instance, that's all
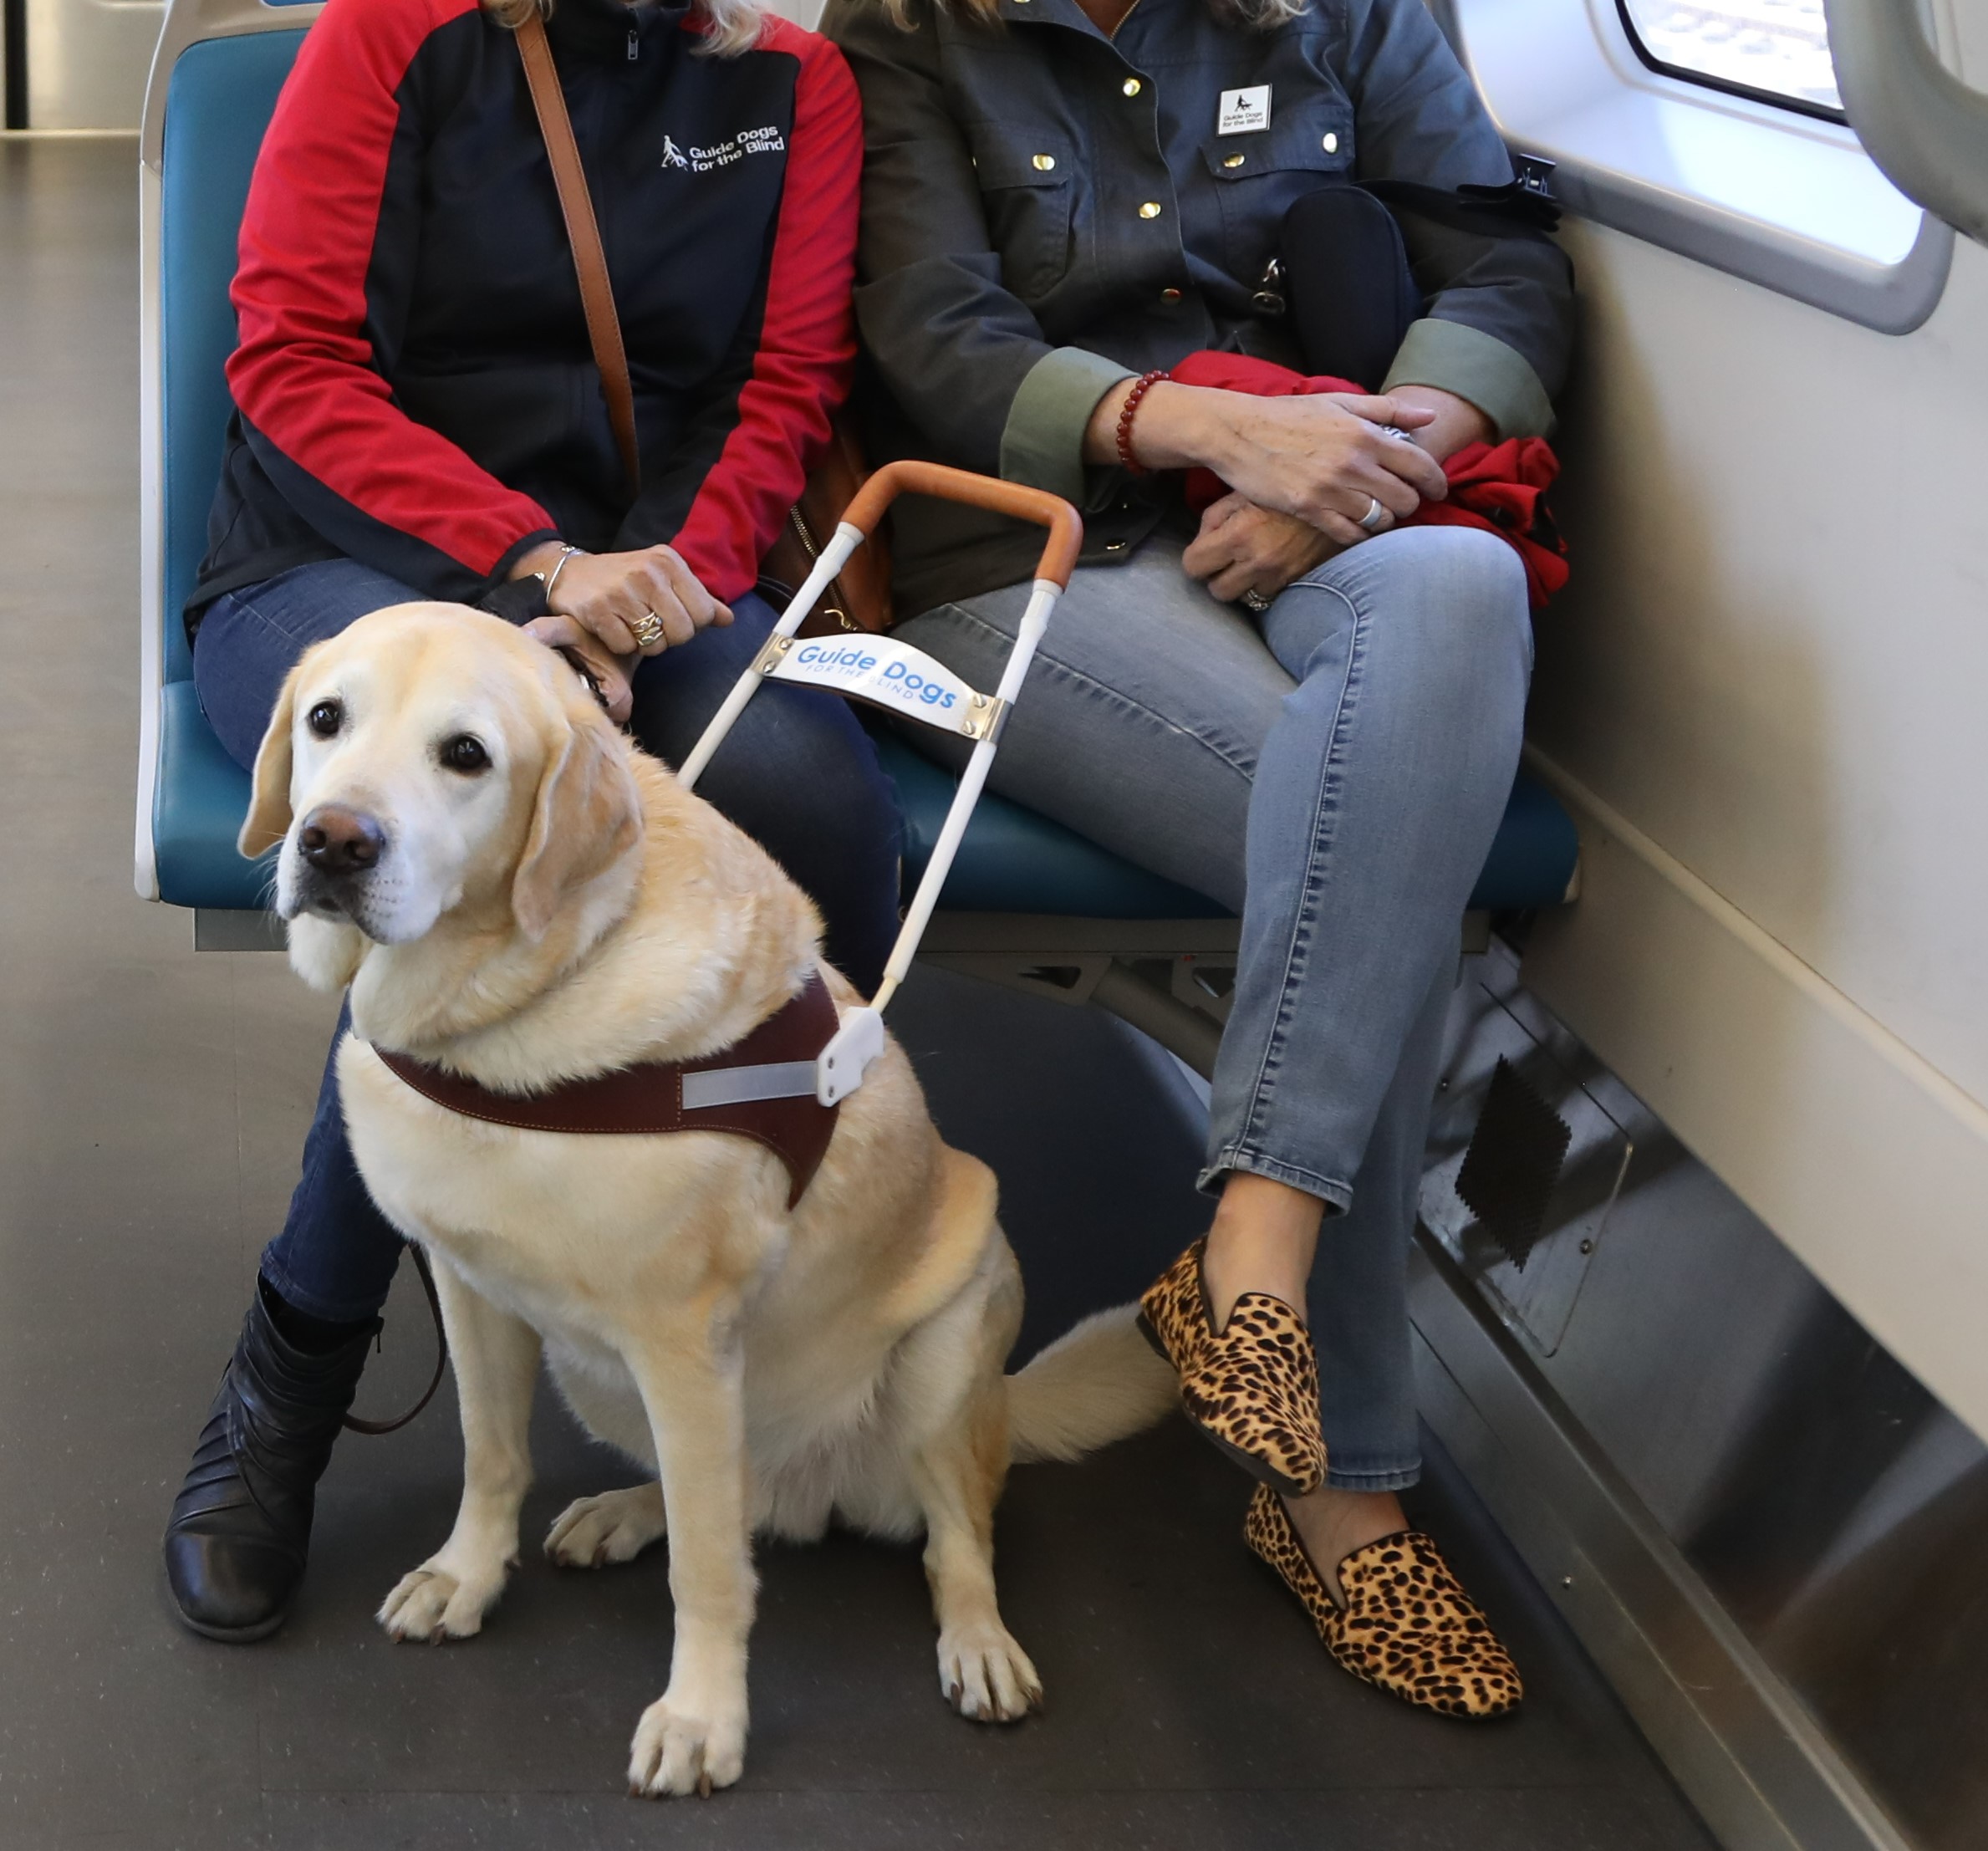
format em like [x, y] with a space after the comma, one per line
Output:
[418, 415]
[1301, 707]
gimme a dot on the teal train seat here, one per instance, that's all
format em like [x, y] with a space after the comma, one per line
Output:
[1028, 903]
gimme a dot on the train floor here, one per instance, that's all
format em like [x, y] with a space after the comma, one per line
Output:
[151, 1101]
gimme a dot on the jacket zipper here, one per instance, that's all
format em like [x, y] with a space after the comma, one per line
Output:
[833, 603]
[634, 45]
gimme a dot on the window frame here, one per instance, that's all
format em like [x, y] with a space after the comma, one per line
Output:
[1726, 86]
[1740, 182]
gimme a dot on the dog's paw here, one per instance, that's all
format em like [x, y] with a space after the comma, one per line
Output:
[615, 1526]
[986, 1676]
[432, 1605]
[676, 1754]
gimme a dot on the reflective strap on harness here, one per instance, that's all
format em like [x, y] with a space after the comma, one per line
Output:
[786, 1079]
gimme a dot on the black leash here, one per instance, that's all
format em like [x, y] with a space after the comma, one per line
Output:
[441, 1356]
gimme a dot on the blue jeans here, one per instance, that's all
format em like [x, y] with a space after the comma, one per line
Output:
[1335, 772]
[797, 772]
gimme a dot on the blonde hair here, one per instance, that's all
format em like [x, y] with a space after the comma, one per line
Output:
[734, 25]
[1253, 15]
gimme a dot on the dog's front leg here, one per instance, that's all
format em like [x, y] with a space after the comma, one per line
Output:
[956, 1476]
[693, 1738]
[495, 1356]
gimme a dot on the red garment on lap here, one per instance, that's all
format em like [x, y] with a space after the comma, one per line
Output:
[1499, 487]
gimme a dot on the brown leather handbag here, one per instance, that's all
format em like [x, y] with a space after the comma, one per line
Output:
[859, 597]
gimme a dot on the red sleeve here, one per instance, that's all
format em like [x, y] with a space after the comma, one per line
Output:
[306, 376]
[808, 340]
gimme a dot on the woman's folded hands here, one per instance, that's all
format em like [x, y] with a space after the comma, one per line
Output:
[1308, 475]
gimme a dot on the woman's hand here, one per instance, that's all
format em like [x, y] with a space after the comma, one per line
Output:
[614, 675]
[1244, 547]
[1322, 459]
[613, 596]
[1325, 460]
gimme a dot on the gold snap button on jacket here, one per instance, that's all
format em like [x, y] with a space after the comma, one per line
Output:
[1133, 86]
[1234, 160]
[1045, 162]
[1170, 295]
[1332, 144]
[1150, 209]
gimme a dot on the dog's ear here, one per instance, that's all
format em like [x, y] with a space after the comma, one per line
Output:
[587, 815]
[268, 819]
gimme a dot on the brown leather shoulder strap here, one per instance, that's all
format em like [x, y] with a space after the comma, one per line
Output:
[597, 293]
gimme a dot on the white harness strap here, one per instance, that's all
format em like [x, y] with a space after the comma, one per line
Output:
[906, 681]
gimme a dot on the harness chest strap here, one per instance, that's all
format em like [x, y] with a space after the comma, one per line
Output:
[762, 1088]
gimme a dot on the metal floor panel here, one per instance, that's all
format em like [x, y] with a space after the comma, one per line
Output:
[151, 1101]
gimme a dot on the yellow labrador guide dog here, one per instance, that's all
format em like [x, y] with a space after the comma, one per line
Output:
[516, 896]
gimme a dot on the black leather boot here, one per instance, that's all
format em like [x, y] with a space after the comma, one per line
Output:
[241, 1527]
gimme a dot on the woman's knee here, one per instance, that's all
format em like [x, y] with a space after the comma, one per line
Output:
[1443, 610]
[1473, 586]
[798, 772]
[251, 639]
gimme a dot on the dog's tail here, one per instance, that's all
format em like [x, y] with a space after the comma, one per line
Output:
[1097, 1383]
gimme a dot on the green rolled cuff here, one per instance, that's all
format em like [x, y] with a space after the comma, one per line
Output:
[1475, 365]
[1042, 443]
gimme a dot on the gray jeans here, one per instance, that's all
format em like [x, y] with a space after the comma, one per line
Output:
[1335, 771]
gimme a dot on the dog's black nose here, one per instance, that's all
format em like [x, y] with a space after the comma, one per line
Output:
[338, 841]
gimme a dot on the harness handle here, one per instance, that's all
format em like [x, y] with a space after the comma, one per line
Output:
[840, 1067]
[1015, 499]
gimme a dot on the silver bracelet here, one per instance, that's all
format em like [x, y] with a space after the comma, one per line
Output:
[565, 553]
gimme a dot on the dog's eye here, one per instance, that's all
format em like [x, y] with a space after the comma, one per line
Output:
[327, 717]
[465, 754]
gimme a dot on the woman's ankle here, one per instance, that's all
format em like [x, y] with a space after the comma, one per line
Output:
[1331, 1523]
[1262, 1239]
[314, 1335]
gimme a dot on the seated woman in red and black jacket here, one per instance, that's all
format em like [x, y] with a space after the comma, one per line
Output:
[418, 415]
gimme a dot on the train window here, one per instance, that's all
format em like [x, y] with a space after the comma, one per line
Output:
[1714, 128]
[1776, 50]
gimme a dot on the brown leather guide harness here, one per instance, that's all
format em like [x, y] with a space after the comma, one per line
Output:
[762, 1088]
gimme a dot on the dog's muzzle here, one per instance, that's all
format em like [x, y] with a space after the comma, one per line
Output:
[338, 847]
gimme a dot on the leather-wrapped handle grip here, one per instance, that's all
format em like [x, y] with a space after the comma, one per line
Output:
[1039, 505]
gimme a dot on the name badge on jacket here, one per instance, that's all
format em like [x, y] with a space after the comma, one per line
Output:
[1243, 112]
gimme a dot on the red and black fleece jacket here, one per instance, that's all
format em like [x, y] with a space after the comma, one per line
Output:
[414, 387]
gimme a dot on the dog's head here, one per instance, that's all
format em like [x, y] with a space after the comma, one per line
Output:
[431, 760]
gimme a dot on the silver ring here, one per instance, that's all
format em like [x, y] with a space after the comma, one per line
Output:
[1376, 517]
[647, 629]
[1255, 601]
[1394, 431]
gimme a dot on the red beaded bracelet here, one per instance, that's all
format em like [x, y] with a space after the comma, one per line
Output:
[1144, 385]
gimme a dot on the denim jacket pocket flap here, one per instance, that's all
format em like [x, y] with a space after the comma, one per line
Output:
[1025, 157]
[1319, 139]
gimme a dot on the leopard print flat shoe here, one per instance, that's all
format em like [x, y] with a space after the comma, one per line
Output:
[1407, 1628]
[1252, 1386]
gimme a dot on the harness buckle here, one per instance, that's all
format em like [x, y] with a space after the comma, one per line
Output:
[839, 1067]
